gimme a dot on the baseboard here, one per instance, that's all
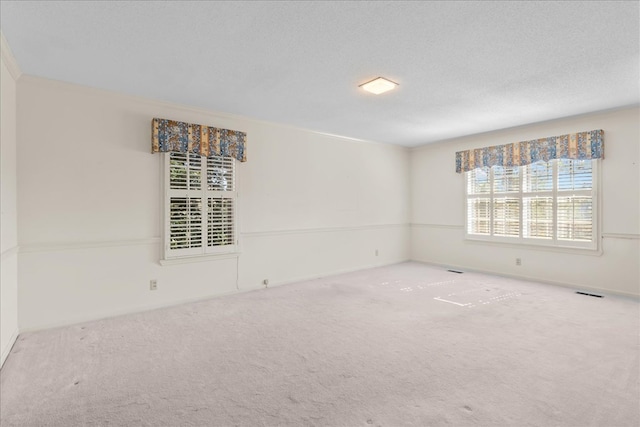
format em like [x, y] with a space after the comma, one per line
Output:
[151, 307]
[7, 349]
[123, 312]
[575, 286]
[329, 274]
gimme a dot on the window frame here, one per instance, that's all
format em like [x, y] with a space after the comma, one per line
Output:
[521, 195]
[204, 251]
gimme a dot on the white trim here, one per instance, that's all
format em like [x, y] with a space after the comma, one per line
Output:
[7, 349]
[10, 252]
[111, 314]
[537, 247]
[328, 274]
[320, 230]
[198, 258]
[632, 236]
[544, 248]
[142, 309]
[573, 286]
[426, 225]
[469, 141]
[9, 59]
[190, 109]
[62, 246]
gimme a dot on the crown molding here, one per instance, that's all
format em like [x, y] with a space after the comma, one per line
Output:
[189, 109]
[8, 58]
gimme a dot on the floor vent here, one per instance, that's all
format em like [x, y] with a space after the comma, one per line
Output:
[591, 295]
[455, 271]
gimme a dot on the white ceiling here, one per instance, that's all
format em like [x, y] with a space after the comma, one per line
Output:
[463, 67]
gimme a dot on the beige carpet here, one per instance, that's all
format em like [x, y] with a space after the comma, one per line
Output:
[405, 345]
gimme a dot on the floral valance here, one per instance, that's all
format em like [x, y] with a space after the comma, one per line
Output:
[581, 145]
[208, 141]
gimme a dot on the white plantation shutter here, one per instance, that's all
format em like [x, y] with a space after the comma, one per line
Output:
[575, 175]
[185, 171]
[220, 223]
[537, 177]
[479, 216]
[185, 223]
[575, 217]
[506, 179]
[220, 174]
[220, 203]
[506, 216]
[479, 208]
[537, 217]
[478, 181]
[537, 203]
[200, 214]
[548, 203]
[575, 203]
[506, 209]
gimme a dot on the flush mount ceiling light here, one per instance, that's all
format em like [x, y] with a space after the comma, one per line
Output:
[378, 85]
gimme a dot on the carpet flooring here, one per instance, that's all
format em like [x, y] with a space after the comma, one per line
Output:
[403, 345]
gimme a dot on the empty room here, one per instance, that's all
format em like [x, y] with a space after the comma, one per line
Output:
[318, 213]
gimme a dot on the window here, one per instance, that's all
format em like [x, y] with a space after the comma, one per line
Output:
[545, 203]
[200, 205]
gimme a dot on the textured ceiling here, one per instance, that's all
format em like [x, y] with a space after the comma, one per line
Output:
[463, 67]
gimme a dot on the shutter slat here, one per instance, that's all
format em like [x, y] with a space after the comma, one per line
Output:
[537, 177]
[574, 175]
[220, 174]
[185, 223]
[221, 218]
[506, 179]
[506, 217]
[478, 216]
[575, 218]
[538, 217]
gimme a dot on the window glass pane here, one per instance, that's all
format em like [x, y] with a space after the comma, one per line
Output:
[537, 177]
[537, 215]
[574, 174]
[185, 223]
[575, 218]
[478, 216]
[478, 181]
[506, 217]
[506, 179]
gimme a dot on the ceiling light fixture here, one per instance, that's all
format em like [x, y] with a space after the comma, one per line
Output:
[378, 85]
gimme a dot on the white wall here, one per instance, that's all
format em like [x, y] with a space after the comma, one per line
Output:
[90, 203]
[8, 204]
[437, 213]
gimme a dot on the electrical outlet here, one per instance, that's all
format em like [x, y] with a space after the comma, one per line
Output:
[265, 282]
[518, 261]
[376, 252]
[153, 285]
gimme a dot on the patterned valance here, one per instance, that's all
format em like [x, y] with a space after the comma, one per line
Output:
[582, 145]
[208, 141]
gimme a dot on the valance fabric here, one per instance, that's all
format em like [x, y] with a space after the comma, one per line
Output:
[208, 141]
[581, 146]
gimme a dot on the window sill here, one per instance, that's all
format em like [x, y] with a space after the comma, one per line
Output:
[536, 247]
[198, 258]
